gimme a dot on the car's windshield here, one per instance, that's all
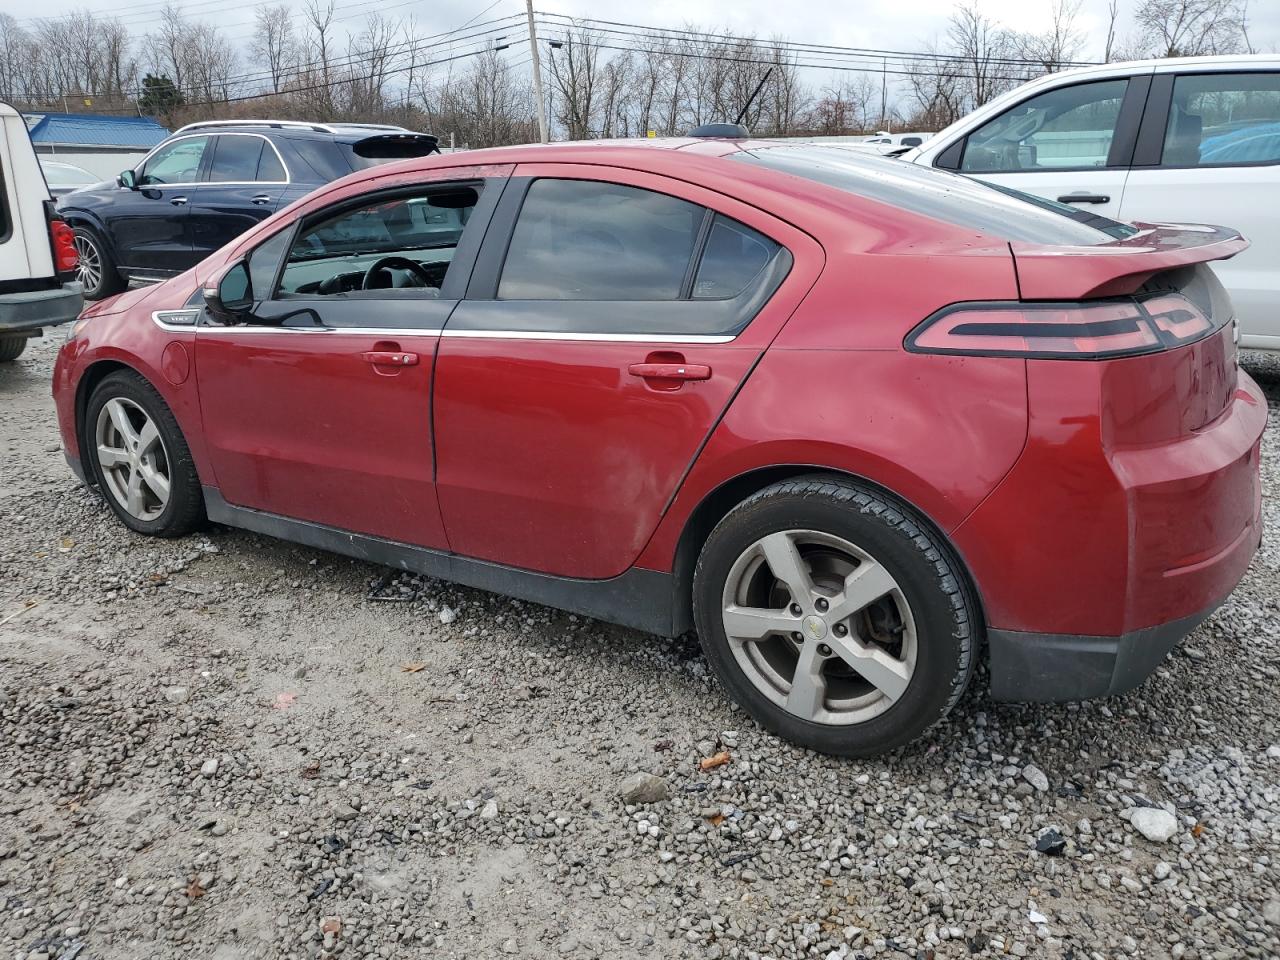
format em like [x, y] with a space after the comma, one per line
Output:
[962, 201]
[67, 175]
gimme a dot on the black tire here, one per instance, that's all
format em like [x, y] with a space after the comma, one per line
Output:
[109, 280]
[945, 615]
[11, 348]
[184, 511]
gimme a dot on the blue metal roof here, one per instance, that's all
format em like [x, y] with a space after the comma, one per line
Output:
[84, 128]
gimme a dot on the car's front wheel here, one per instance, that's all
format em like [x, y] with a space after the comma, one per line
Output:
[97, 268]
[11, 348]
[834, 617]
[140, 459]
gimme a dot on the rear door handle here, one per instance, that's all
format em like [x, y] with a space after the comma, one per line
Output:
[670, 371]
[1084, 198]
[179, 201]
[390, 358]
[260, 199]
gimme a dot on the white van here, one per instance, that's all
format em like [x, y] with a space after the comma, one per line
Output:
[1191, 140]
[37, 249]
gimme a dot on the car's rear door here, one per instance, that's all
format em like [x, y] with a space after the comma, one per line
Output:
[149, 226]
[1209, 152]
[1072, 143]
[319, 409]
[611, 318]
[241, 186]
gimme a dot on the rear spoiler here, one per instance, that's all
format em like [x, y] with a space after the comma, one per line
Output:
[396, 146]
[1121, 266]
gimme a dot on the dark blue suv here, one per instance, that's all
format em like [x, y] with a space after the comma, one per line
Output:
[207, 184]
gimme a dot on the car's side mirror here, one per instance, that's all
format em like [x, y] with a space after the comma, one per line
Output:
[229, 297]
[126, 180]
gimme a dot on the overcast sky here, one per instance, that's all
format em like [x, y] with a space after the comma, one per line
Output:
[882, 24]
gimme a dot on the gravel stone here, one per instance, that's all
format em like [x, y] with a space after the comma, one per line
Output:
[1158, 826]
[643, 788]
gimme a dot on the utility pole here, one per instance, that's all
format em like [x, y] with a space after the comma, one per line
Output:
[537, 76]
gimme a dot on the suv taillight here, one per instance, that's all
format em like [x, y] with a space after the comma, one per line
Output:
[63, 240]
[1088, 330]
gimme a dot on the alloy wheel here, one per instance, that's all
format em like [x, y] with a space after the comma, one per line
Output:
[89, 268]
[820, 627]
[133, 458]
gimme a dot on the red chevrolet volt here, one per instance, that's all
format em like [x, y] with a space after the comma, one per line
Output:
[857, 422]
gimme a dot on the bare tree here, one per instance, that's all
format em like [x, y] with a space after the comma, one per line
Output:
[1058, 45]
[273, 44]
[1113, 15]
[575, 70]
[845, 107]
[1191, 28]
[980, 43]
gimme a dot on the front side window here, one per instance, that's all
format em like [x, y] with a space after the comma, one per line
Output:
[396, 246]
[586, 240]
[1070, 128]
[1230, 119]
[177, 162]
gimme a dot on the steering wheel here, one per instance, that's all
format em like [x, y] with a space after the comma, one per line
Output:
[399, 263]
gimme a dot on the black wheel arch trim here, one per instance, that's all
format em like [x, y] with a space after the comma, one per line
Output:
[719, 501]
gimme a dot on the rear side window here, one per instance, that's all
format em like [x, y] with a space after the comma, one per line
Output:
[176, 162]
[586, 240]
[235, 159]
[1070, 128]
[1230, 119]
[947, 197]
[734, 256]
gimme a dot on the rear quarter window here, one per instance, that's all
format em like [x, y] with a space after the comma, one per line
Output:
[938, 195]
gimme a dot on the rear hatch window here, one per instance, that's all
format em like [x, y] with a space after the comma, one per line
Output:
[961, 201]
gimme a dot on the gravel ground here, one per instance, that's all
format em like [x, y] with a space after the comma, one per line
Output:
[230, 747]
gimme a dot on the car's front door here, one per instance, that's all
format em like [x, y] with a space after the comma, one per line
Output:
[610, 320]
[1071, 144]
[1209, 152]
[319, 408]
[149, 226]
[242, 185]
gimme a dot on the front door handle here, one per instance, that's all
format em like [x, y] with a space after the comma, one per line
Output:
[1084, 198]
[179, 201]
[260, 199]
[670, 371]
[390, 358]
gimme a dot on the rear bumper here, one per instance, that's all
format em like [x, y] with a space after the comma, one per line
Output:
[1048, 667]
[26, 313]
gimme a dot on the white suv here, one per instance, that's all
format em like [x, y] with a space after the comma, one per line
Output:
[1194, 140]
[37, 249]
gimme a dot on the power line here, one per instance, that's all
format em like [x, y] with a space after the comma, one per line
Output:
[873, 52]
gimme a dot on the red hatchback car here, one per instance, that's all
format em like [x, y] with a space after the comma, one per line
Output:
[859, 422]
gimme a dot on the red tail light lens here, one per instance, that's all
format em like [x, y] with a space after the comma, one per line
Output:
[1080, 331]
[63, 239]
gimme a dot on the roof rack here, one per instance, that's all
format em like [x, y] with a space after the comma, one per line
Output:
[371, 126]
[290, 124]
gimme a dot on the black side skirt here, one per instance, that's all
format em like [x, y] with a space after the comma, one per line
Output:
[642, 599]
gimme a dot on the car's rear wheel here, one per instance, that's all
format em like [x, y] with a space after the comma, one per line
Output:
[97, 268]
[140, 459]
[11, 348]
[834, 617]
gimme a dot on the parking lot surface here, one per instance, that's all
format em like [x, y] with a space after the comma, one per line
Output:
[231, 747]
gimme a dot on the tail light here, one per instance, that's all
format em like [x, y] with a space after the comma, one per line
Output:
[63, 240]
[1087, 330]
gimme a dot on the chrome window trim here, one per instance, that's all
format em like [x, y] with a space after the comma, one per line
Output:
[288, 177]
[158, 317]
